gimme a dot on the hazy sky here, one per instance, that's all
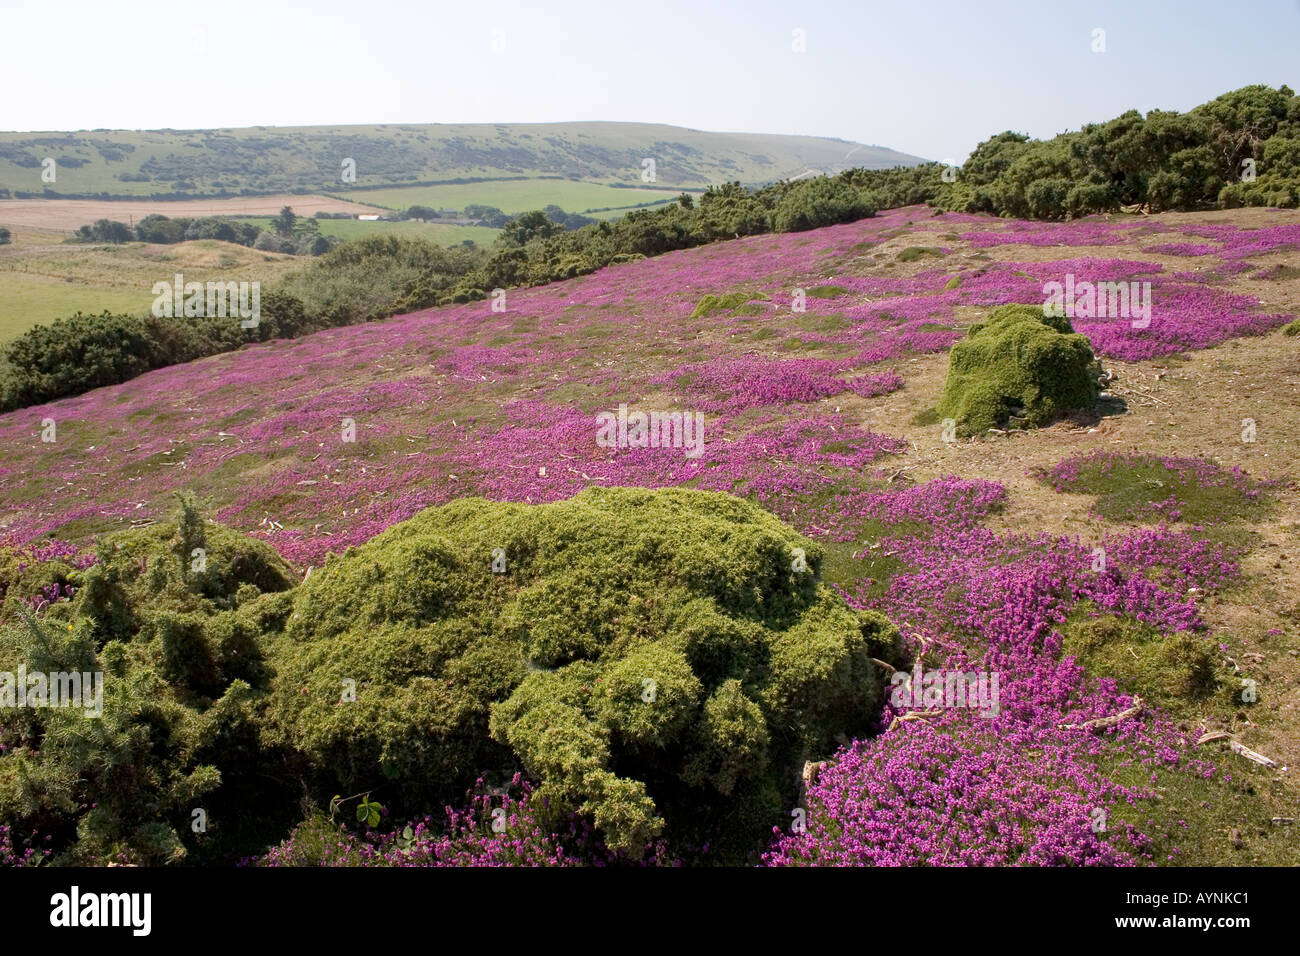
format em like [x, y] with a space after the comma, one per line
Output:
[929, 77]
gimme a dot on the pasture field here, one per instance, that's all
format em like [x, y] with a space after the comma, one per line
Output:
[43, 278]
[67, 215]
[516, 195]
[441, 233]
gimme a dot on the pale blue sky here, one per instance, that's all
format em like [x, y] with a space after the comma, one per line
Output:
[929, 77]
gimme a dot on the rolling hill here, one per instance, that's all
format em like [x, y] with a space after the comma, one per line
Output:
[194, 163]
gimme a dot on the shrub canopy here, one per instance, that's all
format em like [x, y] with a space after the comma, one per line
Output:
[644, 654]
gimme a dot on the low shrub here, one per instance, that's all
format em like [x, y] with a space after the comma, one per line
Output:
[659, 660]
[912, 253]
[171, 620]
[1175, 671]
[1018, 367]
[1140, 486]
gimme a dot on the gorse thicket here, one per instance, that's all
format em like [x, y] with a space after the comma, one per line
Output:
[175, 617]
[660, 661]
[1241, 149]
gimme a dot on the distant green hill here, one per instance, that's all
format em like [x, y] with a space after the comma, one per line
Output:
[185, 163]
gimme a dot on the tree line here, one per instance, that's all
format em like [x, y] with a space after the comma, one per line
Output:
[289, 232]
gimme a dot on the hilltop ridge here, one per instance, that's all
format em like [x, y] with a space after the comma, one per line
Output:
[212, 162]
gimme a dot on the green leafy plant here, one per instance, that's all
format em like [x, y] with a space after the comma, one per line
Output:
[369, 812]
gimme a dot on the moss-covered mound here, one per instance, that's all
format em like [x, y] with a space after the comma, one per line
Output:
[712, 304]
[1019, 368]
[647, 655]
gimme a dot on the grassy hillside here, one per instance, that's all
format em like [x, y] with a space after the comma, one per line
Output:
[309, 158]
[42, 279]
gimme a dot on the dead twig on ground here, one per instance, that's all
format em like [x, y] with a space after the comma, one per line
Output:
[1100, 723]
[914, 715]
[1237, 747]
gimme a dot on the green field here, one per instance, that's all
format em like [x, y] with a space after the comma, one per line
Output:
[514, 196]
[43, 279]
[440, 233]
[27, 301]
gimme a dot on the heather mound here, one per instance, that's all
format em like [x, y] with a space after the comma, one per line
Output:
[652, 657]
[1018, 368]
[1138, 486]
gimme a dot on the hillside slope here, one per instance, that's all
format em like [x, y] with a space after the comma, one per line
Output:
[264, 159]
[983, 552]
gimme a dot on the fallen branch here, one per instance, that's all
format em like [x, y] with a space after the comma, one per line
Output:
[1238, 747]
[913, 715]
[1100, 723]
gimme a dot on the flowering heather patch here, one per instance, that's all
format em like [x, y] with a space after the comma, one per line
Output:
[49, 594]
[1232, 268]
[1138, 486]
[1183, 318]
[870, 386]
[24, 573]
[751, 383]
[1177, 560]
[952, 502]
[435, 395]
[1024, 786]
[19, 856]
[732, 387]
[50, 549]
[507, 464]
[1234, 241]
[1278, 271]
[1091, 231]
[943, 796]
[1182, 249]
[1240, 243]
